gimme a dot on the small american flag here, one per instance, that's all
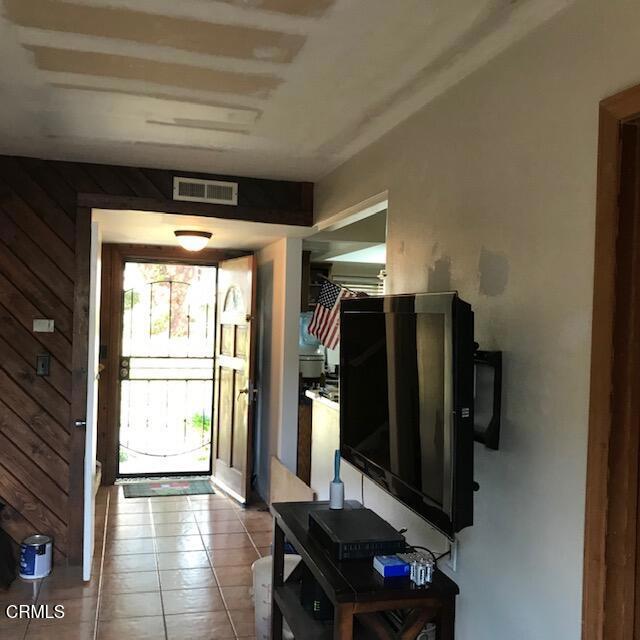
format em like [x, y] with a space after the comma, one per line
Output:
[325, 323]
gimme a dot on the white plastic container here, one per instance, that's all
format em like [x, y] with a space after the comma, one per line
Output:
[311, 365]
[36, 554]
[262, 570]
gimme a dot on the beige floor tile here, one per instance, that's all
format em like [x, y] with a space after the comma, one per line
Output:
[136, 582]
[76, 610]
[146, 628]
[129, 519]
[129, 532]
[179, 543]
[227, 541]
[243, 622]
[237, 597]
[221, 526]
[67, 588]
[192, 601]
[171, 579]
[14, 633]
[215, 516]
[169, 500]
[212, 506]
[261, 538]
[61, 630]
[130, 546]
[176, 529]
[171, 517]
[21, 592]
[129, 507]
[183, 560]
[170, 505]
[209, 499]
[233, 557]
[256, 521]
[199, 626]
[130, 563]
[234, 576]
[129, 605]
[11, 629]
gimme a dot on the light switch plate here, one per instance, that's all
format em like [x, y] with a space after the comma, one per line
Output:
[43, 325]
[43, 364]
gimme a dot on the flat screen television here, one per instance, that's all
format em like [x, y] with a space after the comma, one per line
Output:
[406, 401]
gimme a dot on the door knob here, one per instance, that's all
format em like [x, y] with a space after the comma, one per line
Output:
[254, 393]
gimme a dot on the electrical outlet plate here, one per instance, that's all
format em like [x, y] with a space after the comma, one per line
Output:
[451, 561]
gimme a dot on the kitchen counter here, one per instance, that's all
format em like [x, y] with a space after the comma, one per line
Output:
[316, 396]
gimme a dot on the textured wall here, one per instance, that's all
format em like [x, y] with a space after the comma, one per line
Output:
[492, 192]
[279, 267]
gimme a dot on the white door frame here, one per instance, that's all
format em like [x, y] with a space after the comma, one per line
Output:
[92, 400]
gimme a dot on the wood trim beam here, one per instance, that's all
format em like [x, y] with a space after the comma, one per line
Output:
[299, 218]
[79, 364]
[160, 253]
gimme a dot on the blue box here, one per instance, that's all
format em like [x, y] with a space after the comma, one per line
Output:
[391, 566]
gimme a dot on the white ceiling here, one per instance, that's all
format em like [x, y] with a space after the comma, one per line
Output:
[150, 227]
[272, 88]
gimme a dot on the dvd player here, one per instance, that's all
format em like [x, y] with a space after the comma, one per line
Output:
[350, 534]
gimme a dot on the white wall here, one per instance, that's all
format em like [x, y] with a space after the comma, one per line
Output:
[492, 192]
[279, 279]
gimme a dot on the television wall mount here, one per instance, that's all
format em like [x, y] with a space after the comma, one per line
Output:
[488, 397]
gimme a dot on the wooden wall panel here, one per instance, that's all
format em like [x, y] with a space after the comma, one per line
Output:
[44, 240]
[19, 285]
[51, 433]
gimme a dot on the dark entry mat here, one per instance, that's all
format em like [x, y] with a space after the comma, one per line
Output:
[163, 488]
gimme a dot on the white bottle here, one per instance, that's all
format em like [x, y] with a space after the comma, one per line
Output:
[336, 488]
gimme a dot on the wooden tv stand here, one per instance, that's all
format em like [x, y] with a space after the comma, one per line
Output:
[358, 593]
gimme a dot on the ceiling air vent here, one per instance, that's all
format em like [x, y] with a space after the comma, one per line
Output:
[212, 191]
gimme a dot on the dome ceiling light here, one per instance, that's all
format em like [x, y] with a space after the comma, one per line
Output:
[193, 240]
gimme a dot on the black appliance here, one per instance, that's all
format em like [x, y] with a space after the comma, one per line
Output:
[351, 534]
[406, 400]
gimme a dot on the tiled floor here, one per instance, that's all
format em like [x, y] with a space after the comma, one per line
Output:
[172, 569]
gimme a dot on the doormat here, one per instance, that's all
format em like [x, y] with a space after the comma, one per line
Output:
[163, 488]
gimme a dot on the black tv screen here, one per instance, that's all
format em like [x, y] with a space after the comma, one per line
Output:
[406, 400]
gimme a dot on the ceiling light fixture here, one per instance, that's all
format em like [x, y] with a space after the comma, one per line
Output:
[193, 240]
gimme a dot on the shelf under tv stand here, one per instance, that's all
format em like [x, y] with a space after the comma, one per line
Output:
[356, 590]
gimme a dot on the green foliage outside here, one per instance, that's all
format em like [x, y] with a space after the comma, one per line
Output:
[131, 299]
[201, 423]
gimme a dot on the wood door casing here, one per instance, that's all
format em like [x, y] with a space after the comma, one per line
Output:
[113, 258]
[234, 376]
[611, 582]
